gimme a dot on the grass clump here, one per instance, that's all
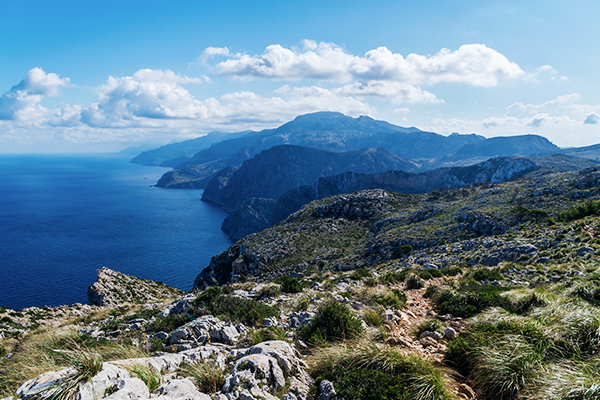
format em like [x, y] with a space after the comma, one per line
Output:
[289, 284]
[86, 364]
[431, 325]
[359, 274]
[333, 321]
[248, 312]
[148, 375]
[414, 282]
[369, 372]
[207, 377]
[373, 318]
[486, 274]
[265, 334]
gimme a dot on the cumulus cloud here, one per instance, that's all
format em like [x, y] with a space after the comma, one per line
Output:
[154, 99]
[396, 92]
[147, 94]
[471, 64]
[592, 118]
[22, 101]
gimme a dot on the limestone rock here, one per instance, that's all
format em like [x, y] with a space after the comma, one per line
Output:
[326, 390]
[179, 389]
[113, 288]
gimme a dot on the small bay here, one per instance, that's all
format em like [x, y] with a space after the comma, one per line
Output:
[62, 217]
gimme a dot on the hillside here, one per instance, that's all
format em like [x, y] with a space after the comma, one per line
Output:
[277, 170]
[366, 227]
[259, 213]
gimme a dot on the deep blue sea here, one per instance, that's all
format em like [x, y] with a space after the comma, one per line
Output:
[63, 217]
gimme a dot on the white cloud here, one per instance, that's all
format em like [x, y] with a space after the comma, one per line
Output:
[146, 95]
[396, 92]
[592, 118]
[471, 64]
[22, 101]
[401, 110]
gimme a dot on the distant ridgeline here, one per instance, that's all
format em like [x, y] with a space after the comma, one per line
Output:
[262, 177]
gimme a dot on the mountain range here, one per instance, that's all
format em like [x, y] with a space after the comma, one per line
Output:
[335, 132]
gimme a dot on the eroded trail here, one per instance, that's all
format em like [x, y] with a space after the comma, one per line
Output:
[404, 333]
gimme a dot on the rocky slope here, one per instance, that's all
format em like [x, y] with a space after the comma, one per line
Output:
[275, 171]
[337, 132]
[113, 288]
[367, 227]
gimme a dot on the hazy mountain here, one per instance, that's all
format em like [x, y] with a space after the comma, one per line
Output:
[176, 154]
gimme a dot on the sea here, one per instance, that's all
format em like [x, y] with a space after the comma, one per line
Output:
[63, 217]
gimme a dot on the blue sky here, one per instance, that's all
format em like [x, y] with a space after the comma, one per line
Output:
[100, 76]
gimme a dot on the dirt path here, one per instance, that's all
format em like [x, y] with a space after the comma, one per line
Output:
[403, 334]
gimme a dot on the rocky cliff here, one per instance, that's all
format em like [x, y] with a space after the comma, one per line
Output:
[256, 214]
[275, 171]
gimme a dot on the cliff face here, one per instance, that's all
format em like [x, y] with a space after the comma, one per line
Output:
[254, 216]
[282, 168]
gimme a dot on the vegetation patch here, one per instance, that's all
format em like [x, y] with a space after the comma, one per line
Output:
[333, 322]
[368, 372]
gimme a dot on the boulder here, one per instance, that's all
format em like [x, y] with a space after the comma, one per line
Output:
[129, 389]
[179, 389]
[326, 390]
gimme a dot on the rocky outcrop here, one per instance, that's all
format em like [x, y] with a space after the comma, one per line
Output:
[258, 371]
[113, 288]
[511, 254]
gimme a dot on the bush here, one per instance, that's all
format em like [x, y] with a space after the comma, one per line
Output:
[359, 274]
[582, 211]
[431, 325]
[486, 274]
[414, 282]
[333, 322]
[289, 284]
[472, 301]
[235, 309]
[268, 291]
[393, 277]
[452, 271]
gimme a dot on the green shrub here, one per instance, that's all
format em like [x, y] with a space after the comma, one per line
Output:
[333, 321]
[247, 311]
[452, 271]
[360, 274]
[486, 274]
[393, 277]
[414, 282]
[405, 249]
[289, 284]
[582, 211]
[168, 324]
[268, 291]
[431, 325]
[472, 301]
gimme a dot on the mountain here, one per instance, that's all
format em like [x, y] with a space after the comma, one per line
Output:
[175, 154]
[282, 168]
[324, 131]
[515, 146]
[259, 213]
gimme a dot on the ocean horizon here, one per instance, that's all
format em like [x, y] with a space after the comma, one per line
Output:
[63, 217]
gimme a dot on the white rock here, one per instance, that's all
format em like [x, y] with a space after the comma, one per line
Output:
[179, 389]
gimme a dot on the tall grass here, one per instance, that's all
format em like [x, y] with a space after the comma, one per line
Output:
[368, 372]
[86, 364]
[209, 378]
[34, 354]
[147, 374]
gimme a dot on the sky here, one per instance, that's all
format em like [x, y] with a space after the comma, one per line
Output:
[101, 76]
